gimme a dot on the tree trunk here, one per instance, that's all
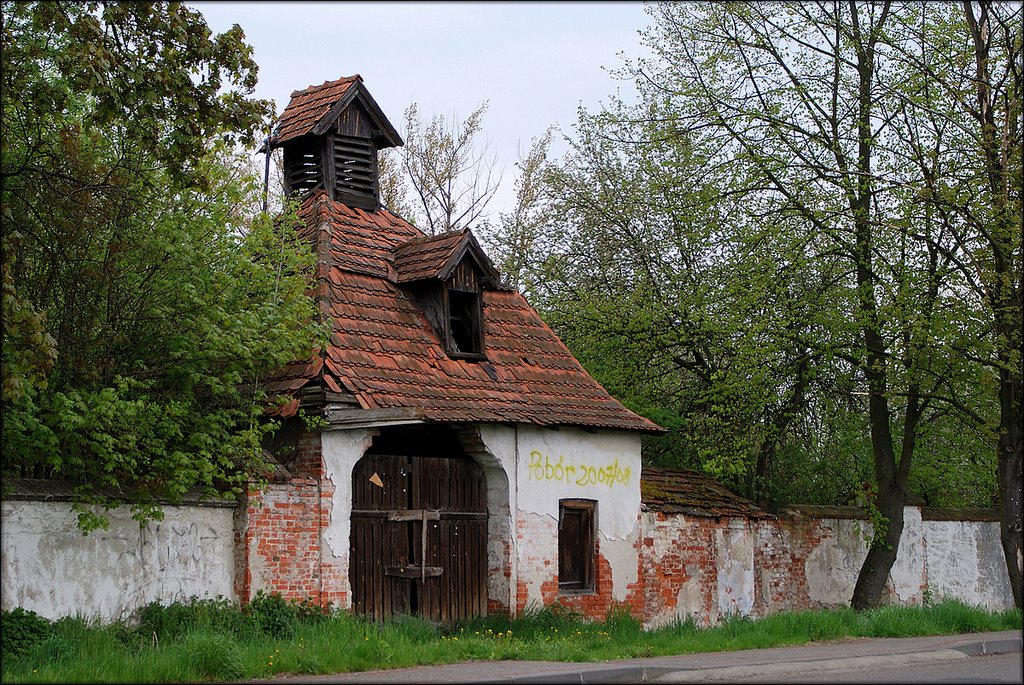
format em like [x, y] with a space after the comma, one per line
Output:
[1011, 481]
[890, 480]
[869, 590]
[1006, 290]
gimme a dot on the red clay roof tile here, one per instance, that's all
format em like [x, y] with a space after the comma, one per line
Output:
[308, 106]
[385, 352]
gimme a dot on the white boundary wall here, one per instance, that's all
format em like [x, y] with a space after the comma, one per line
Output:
[48, 566]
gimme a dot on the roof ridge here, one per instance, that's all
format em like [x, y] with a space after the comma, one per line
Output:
[312, 89]
[427, 238]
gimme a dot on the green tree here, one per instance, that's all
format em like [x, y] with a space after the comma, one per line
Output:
[660, 294]
[800, 94]
[959, 106]
[147, 295]
[740, 259]
[516, 241]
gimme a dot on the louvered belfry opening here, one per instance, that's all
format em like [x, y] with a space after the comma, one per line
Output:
[330, 135]
[303, 167]
[355, 170]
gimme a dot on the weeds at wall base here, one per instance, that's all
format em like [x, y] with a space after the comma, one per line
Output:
[212, 640]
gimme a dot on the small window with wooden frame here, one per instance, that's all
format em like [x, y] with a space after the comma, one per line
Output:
[577, 523]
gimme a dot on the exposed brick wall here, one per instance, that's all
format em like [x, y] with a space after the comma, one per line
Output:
[309, 461]
[780, 556]
[283, 539]
[596, 605]
[678, 560]
[537, 539]
[537, 553]
[280, 535]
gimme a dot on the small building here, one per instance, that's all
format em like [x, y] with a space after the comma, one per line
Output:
[465, 463]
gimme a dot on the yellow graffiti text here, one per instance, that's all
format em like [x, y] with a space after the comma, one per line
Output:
[542, 467]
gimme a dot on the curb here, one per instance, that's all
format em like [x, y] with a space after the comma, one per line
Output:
[816, 667]
[710, 667]
[1003, 646]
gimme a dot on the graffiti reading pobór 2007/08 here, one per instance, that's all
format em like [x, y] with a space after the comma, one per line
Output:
[541, 467]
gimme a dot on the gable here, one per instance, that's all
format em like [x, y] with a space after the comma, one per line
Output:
[437, 258]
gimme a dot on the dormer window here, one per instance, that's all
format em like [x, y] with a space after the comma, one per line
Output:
[447, 275]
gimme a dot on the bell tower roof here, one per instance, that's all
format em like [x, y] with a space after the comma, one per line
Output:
[312, 111]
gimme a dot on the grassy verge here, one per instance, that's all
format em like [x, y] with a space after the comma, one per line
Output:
[213, 641]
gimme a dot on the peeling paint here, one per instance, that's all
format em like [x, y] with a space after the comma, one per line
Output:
[735, 570]
[341, 451]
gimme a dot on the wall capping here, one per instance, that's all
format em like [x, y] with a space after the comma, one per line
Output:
[42, 490]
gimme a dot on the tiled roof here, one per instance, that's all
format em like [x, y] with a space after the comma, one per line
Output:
[385, 353]
[309, 105]
[689, 492]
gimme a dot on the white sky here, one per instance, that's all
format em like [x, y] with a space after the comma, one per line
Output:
[535, 62]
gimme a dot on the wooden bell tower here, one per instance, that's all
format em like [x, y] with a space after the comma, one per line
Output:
[330, 135]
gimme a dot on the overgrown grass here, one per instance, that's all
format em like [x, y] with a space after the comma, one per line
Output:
[214, 641]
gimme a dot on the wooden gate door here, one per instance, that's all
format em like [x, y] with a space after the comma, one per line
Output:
[419, 538]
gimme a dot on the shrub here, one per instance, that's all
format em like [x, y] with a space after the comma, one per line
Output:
[274, 615]
[309, 609]
[21, 630]
[170, 622]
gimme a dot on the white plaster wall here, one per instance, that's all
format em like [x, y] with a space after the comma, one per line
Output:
[734, 565]
[907, 574]
[621, 555]
[603, 466]
[965, 560]
[48, 566]
[341, 449]
[499, 464]
[570, 463]
[833, 565]
[961, 559]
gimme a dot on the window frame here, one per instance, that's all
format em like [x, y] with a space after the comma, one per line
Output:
[476, 323]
